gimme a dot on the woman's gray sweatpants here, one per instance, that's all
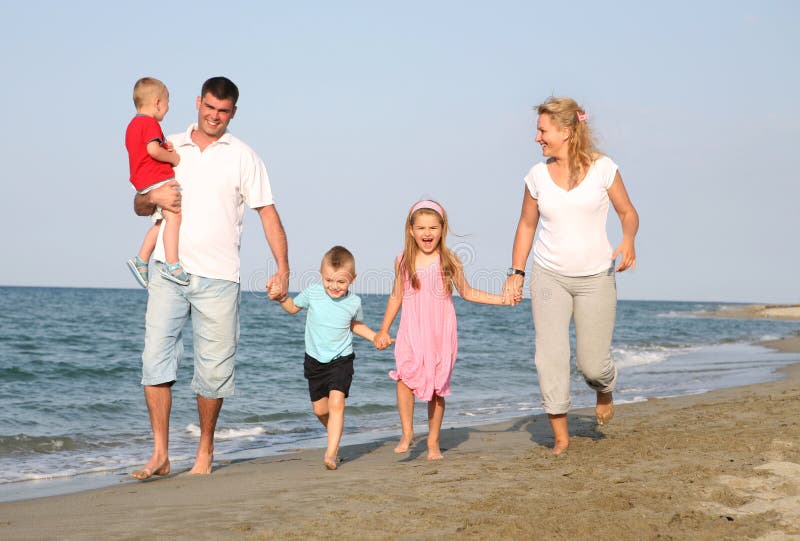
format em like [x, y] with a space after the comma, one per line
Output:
[591, 302]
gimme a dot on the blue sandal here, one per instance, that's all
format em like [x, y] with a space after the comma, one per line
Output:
[138, 268]
[175, 273]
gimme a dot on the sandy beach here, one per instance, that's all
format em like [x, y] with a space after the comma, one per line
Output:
[721, 465]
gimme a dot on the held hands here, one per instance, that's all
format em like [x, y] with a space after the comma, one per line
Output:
[278, 286]
[508, 299]
[382, 339]
[512, 290]
[628, 252]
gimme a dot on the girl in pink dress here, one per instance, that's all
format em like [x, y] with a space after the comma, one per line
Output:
[426, 343]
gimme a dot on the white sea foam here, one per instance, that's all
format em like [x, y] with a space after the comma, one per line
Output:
[229, 433]
[728, 308]
[676, 313]
[627, 357]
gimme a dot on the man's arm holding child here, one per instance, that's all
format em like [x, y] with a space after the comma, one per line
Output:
[168, 197]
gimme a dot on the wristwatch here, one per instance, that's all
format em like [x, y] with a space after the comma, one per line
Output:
[512, 271]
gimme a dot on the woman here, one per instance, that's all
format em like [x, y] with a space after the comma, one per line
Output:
[567, 197]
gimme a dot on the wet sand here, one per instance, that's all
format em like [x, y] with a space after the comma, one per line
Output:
[721, 465]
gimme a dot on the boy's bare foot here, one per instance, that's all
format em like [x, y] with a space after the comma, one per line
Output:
[202, 464]
[150, 469]
[330, 463]
[404, 445]
[605, 408]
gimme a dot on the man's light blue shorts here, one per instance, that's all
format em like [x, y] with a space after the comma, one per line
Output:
[214, 308]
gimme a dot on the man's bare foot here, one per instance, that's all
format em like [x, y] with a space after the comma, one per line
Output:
[154, 467]
[560, 447]
[404, 445]
[605, 408]
[330, 463]
[202, 464]
[435, 453]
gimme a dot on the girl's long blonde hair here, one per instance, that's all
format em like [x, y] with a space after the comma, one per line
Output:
[448, 261]
[581, 149]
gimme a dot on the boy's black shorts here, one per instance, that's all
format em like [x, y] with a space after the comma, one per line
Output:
[323, 378]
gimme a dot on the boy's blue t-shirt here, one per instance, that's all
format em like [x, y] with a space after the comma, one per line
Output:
[328, 334]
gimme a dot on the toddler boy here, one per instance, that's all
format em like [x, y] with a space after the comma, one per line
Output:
[151, 160]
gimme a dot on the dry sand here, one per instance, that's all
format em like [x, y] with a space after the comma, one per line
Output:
[722, 465]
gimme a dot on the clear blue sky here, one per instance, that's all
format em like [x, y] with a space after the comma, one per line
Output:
[361, 108]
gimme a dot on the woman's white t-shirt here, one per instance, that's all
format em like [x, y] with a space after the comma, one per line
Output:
[572, 239]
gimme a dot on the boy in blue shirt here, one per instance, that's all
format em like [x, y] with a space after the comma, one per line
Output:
[334, 314]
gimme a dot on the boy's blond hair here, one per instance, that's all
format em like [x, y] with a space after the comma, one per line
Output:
[340, 257]
[146, 90]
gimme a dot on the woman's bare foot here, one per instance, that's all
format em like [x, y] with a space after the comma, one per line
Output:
[150, 469]
[558, 422]
[330, 463]
[405, 444]
[202, 464]
[605, 408]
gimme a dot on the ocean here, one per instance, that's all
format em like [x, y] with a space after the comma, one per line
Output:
[73, 413]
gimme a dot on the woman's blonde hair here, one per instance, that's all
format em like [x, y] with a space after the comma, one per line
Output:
[581, 149]
[448, 261]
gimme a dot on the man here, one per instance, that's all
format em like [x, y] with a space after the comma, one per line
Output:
[218, 176]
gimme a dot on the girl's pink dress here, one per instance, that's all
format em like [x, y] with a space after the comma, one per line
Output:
[426, 343]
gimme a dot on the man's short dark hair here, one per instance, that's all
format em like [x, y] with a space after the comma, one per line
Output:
[221, 88]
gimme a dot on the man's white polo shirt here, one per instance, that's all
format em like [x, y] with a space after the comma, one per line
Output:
[216, 185]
